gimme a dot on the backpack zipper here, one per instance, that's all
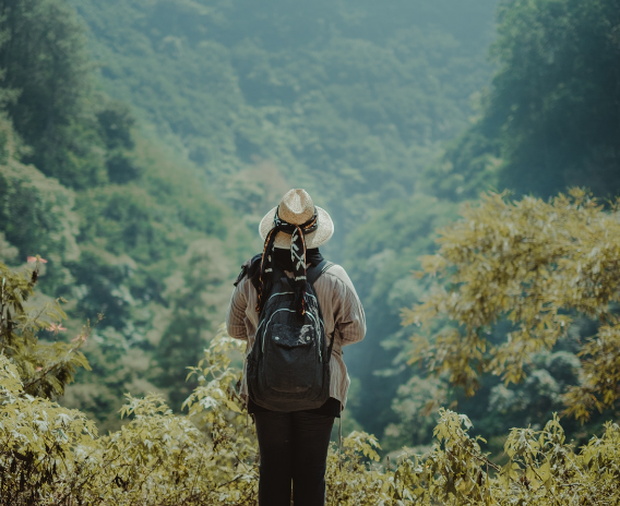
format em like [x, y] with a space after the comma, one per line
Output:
[269, 321]
[271, 297]
[319, 325]
[279, 293]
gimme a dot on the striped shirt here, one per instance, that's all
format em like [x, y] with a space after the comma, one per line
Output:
[343, 317]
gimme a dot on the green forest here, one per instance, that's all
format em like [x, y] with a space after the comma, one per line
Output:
[469, 155]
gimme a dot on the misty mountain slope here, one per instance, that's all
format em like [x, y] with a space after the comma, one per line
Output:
[352, 100]
[346, 98]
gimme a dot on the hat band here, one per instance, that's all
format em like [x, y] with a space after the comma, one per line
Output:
[284, 226]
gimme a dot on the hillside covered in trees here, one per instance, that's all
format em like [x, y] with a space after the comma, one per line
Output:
[141, 142]
[351, 107]
[126, 230]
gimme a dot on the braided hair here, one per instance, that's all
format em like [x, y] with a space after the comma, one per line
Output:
[298, 258]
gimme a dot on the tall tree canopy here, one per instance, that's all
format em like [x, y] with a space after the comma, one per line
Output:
[553, 112]
[43, 59]
[114, 217]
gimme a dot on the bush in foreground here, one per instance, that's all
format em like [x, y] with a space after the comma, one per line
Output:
[53, 455]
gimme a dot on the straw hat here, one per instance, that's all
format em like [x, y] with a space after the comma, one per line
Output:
[296, 208]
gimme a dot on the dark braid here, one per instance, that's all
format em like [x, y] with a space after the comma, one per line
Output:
[298, 258]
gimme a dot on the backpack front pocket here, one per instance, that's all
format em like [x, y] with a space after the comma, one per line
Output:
[291, 360]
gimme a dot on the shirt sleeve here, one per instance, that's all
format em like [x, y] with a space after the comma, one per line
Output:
[235, 317]
[349, 318]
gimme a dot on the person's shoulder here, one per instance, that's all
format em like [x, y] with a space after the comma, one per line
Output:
[337, 271]
[337, 281]
[337, 274]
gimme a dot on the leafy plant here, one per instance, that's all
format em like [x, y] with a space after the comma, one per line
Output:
[44, 367]
[535, 264]
[53, 455]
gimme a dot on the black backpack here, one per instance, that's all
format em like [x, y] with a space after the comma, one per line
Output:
[288, 366]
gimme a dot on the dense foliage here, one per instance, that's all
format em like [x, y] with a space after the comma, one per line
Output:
[551, 116]
[126, 230]
[345, 98]
[218, 99]
[548, 121]
[142, 205]
[53, 455]
[535, 266]
[43, 367]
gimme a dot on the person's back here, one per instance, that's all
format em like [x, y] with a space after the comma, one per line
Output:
[293, 444]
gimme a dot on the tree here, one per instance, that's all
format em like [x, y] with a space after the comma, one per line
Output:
[36, 213]
[197, 292]
[551, 114]
[536, 265]
[43, 60]
[44, 367]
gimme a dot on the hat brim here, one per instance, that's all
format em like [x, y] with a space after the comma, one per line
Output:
[314, 239]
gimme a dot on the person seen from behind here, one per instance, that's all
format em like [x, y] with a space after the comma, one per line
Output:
[295, 381]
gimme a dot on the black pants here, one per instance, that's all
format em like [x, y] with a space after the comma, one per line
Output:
[293, 446]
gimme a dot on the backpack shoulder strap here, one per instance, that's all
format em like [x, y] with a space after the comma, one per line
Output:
[316, 271]
[249, 268]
